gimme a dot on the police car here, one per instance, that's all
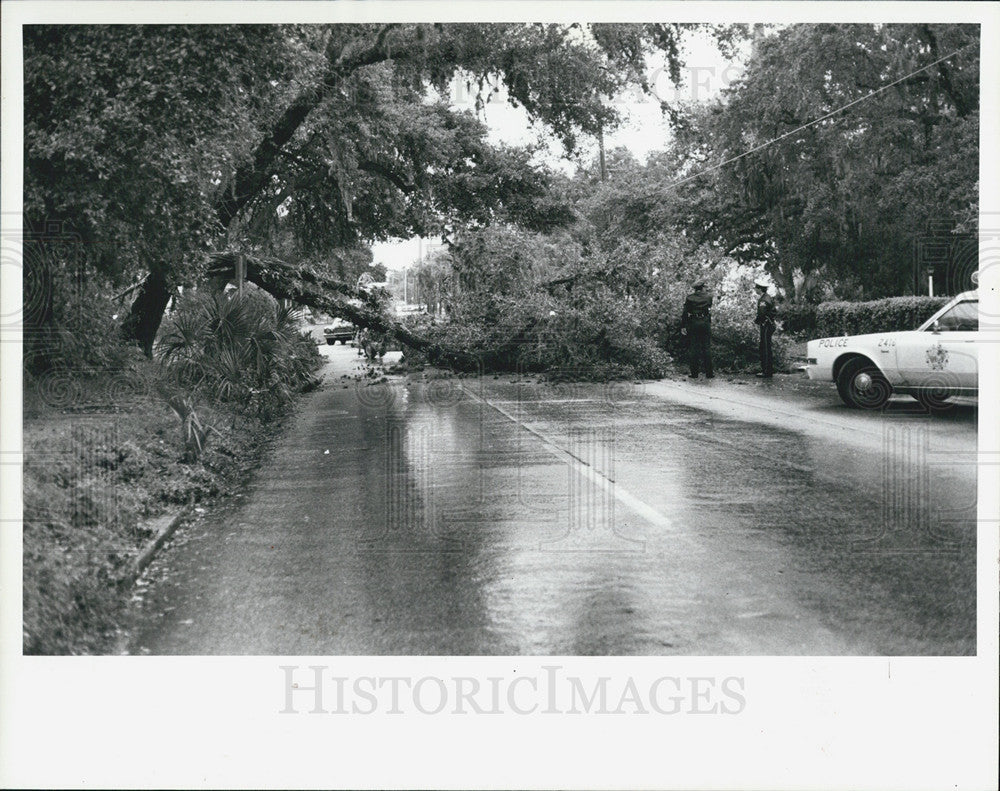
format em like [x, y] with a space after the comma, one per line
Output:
[937, 360]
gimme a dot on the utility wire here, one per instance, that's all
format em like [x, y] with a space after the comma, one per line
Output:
[755, 149]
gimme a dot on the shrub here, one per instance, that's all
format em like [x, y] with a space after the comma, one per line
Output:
[798, 318]
[242, 350]
[736, 343]
[881, 315]
[593, 340]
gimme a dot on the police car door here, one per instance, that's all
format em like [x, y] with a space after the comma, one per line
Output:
[945, 353]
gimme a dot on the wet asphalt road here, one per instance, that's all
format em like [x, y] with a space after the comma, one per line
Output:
[501, 516]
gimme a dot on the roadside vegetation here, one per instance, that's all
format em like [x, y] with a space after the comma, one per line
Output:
[840, 176]
[113, 439]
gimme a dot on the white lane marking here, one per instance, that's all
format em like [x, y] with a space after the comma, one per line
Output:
[704, 438]
[621, 494]
[549, 401]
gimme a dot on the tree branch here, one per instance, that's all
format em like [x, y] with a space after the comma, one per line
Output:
[961, 106]
[304, 287]
[371, 166]
[253, 174]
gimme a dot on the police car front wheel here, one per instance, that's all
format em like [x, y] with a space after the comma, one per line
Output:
[861, 385]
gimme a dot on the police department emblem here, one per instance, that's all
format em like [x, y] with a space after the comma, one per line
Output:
[937, 358]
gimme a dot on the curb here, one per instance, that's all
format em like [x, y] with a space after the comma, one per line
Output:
[167, 525]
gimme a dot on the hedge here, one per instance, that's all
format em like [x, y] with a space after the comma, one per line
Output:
[881, 315]
[798, 318]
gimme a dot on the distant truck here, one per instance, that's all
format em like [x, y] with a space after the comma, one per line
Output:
[402, 310]
[340, 330]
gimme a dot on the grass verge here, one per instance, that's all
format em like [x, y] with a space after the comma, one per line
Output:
[96, 471]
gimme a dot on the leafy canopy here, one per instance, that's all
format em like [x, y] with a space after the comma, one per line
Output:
[847, 197]
[158, 143]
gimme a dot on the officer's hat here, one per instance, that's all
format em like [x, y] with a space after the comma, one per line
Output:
[699, 285]
[761, 283]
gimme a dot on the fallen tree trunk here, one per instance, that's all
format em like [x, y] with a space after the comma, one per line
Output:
[304, 286]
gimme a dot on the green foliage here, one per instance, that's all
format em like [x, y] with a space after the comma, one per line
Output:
[345, 264]
[735, 342]
[89, 488]
[798, 318]
[821, 211]
[850, 196]
[521, 300]
[133, 134]
[158, 143]
[80, 334]
[80, 524]
[131, 131]
[394, 166]
[379, 157]
[606, 295]
[194, 431]
[235, 350]
[308, 143]
[881, 315]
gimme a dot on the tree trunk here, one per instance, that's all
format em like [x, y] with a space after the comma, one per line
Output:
[146, 313]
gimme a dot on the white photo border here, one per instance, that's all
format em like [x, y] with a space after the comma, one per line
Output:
[811, 722]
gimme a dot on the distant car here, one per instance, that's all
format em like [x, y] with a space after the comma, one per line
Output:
[402, 311]
[937, 360]
[340, 330]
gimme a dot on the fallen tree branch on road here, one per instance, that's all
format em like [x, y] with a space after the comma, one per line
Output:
[305, 286]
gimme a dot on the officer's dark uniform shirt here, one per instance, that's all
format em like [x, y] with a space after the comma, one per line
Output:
[765, 309]
[697, 309]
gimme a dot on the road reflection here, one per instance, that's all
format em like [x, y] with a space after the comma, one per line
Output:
[418, 517]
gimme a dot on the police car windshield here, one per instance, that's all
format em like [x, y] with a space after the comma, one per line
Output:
[963, 317]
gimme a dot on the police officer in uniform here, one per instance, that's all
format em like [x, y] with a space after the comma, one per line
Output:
[696, 323]
[765, 320]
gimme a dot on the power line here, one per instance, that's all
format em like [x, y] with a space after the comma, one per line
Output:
[795, 131]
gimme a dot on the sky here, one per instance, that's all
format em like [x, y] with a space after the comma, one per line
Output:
[643, 130]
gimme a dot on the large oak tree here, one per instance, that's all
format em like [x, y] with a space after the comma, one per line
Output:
[160, 145]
